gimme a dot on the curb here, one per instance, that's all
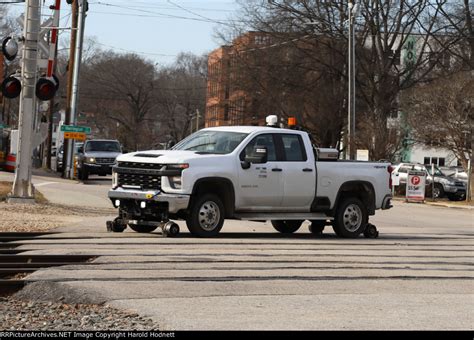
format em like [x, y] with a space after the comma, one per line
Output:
[438, 204]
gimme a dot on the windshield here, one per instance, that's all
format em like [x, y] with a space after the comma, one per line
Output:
[109, 146]
[217, 142]
[437, 171]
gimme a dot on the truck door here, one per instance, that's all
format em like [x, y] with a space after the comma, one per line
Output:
[260, 187]
[298, 173]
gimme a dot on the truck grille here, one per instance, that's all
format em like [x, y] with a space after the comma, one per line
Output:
[146, 180]
[105, 160]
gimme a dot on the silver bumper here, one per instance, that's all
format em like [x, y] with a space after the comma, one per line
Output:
[176, 202]
[387, 202]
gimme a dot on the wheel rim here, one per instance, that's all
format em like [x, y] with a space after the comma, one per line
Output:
[436, 192]
[209, 216]
[352, 217]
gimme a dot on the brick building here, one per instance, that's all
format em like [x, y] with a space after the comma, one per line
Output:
[227, 102]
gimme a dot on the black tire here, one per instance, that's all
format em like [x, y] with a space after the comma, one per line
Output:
[116, 226]
[317, 227]
[454, 197]
[351, 218]
[438, 191]
[83, 175]
[142, 228]
[206, 216]
[287, 227]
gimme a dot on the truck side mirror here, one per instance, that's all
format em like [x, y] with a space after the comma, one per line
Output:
[258, 155]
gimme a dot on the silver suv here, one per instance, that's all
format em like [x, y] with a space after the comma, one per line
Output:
[97, 157]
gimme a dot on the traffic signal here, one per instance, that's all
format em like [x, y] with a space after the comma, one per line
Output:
[11, 87]
[9, 48]
[46, 87]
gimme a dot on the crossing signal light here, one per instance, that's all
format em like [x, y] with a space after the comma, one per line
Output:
[9, 48]
[11, 87]
[46, 88]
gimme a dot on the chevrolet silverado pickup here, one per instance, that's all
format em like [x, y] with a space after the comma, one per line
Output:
[247, 173]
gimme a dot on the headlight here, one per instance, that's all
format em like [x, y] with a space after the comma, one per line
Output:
[91, 160]
[114, 180]
[175, 182]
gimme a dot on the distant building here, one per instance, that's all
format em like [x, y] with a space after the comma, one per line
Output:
[227, 103]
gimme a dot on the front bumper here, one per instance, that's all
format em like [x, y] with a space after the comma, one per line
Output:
[387, 202]
[175, 202]
[98, 168]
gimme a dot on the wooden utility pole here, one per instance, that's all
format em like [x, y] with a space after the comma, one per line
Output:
[72, 59]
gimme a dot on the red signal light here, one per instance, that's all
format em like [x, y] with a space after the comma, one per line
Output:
[46, 88]
[11, 87]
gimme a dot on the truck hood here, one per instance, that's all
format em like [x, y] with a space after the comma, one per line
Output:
[161, 156]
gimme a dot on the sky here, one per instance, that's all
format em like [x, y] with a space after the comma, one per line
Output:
[155, 29]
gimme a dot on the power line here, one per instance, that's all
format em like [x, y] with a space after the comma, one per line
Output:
[137, 52]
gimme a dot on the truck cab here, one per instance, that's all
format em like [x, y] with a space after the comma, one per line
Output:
[248, 173]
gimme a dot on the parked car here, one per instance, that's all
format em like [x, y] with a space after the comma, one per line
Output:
[97, 157]
[60, 155]
[458, 173]
[444, 185]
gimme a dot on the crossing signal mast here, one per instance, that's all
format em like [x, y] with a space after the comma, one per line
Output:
[30, 88]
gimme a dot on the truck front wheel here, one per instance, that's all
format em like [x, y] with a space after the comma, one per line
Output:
[287, 227]
[351, 218]
[206, 217]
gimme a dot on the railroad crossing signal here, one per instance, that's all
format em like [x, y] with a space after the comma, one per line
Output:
[11, 87]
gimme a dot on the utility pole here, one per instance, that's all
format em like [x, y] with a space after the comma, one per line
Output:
[82, 8]
[23, 191]
[197, 120]
[67, 147]
[351, 83]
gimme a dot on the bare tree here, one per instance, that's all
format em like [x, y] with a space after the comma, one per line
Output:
[441, 113]
[396, 47]
[122, 88]
[182, 95]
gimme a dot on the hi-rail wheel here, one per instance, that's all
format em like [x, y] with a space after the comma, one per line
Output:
[170, 229]
[116, 226]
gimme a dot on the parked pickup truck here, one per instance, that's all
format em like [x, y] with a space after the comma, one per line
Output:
[247, 173]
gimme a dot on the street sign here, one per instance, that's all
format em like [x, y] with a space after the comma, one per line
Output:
[71, 128]
[416, 182]
[75, 135]
[3, 126]
[363, 155]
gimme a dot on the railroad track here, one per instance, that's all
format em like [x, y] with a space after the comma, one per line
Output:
[15, 265]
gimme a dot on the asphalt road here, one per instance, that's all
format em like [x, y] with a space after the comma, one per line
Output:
[92, 193]
[417, 276]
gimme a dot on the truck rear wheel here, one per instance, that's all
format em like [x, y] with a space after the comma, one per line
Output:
[206, 217]
[142, 228]
[351, 218]
[287, 227]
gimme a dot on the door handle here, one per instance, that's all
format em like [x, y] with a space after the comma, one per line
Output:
[277, 170]
[307, 170]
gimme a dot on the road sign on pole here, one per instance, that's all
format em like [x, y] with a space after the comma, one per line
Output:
[72, 128]
[75, 135]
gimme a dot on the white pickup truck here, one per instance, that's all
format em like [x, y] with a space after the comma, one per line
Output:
[247, 173]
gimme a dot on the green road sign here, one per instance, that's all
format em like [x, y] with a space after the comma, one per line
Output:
[70, 128]
[3, 126]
